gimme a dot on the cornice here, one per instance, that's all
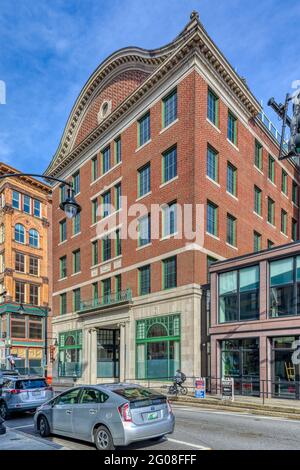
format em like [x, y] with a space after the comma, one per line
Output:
[193, 40]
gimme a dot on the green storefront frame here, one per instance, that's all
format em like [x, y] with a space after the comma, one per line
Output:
[158, 343]
[70, 351]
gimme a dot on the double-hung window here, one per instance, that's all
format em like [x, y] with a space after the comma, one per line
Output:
[232, 128]
[118, 150]
[106, 248]
[106, 164]
[95, 168]
[144, 129]
[170, 108]
[76, 182]
[257, 200]
[213, 107]
[106, 204]
[283, 221]
[76, 261]
[76, 224]
[231, 179]
[170, 219]
[63, 230]
[169, 160]
[144, 280]
[271, 211]
[27, 204]
[144, 181]
[258, 157]
[212, 164]
[63, 267]
[16, 200]
[170, 273]
[231, 230]
[212, 219]
[118, 195]
[271, 169]
[144, 230]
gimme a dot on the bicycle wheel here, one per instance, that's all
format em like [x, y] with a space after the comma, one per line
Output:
[183, 391]
[172, 390]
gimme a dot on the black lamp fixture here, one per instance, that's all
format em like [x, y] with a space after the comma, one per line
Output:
[21, 310]
[70, 207]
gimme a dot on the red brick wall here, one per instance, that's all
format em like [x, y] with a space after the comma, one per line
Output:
[191, 133]
[116, 90]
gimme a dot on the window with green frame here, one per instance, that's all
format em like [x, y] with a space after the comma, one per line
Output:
[76, 182]
[95, 292]
[118, 283]
[169, 273]
[94, 210]
[69, 353]
[144, 129]
[106, 248]
[231, 179]
[212, 219]
[118, 150]
[256, 241]
[270, 243]
[271, 211]
[106, 163]
[62, 193]
[258, 158]
[212, 163]
[63, 267]
[106, 204]
[294, 230]
[169, 164]
[63, 303]
[209, 261]
[144, 180]
[257, 200]
[76, 300]
[295, 193]
[158, 347]
[169, 108]
[271, 169]
[284, 221]
[144, 280]
[95, 172]
[76, 224]
[284, 182]
[232, 128]
[76, 261]
[231, 230]
[106, 290]
[213, 107]
[95, 253]
[118, 195]
[118, 243]
[62, 230]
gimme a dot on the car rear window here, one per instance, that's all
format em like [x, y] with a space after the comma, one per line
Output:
[30, 383]
[140, 397]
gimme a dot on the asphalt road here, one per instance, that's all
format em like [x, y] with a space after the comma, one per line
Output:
[201, 429]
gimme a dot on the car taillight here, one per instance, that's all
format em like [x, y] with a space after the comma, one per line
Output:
[169, 407]
[125, 413]
[14, 391]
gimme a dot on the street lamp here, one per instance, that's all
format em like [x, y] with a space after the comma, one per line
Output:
[69, 205]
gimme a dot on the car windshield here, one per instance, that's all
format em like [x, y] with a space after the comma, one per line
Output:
[30, 383]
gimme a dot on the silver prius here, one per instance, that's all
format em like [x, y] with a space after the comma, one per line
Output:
[107, 415]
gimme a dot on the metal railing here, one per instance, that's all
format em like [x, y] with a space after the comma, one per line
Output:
[106, 300]
[243, 387]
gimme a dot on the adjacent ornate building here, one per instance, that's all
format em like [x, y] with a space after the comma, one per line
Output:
[171, 126]
[25, 215]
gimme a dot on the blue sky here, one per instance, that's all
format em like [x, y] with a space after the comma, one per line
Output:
[49, 48]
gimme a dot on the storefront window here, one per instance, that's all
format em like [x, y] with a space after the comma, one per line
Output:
[239, 295]
[240, 360]
[282, 293]
[285, 371]
[158, 347]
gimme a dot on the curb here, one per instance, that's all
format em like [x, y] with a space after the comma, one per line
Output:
[37, 439]
[255, 409]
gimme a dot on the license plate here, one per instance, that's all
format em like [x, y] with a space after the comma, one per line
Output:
[36, 394]
[152, 416]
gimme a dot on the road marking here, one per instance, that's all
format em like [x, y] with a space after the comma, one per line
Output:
[195, 446]
[21, 427]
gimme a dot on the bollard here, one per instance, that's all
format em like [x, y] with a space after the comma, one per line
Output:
[2, 427]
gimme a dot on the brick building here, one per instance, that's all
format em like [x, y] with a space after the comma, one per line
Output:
[171, 125]
[25, 244]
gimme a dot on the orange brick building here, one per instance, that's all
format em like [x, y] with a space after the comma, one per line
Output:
[25, 272]
[171, 125]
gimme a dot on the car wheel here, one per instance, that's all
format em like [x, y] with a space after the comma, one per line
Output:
[3, 410]
[103, 439]
[44, 427]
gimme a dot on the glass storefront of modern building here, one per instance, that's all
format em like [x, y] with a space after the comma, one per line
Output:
[157, 347]
[240, 360]
[285, 367]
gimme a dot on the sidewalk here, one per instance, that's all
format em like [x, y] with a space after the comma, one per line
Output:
[17, 440]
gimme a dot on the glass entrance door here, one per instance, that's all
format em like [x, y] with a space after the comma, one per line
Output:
[108, 353]
[285, 373]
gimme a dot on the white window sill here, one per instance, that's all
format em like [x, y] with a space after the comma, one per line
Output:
[213, 125]
[281, 233]
[105, 262]
[213, 181]
[257, 169]
[212, 236]
[295, 205]
[142, 146]
[76, 235]
[142, 197]
[271, 182]
[257, 215]
[169, 125]
[231, 195]
[232, 246]
[271, 225]
[62, 278]
[285, 195]
[75, 274]
[61, 243]
[233, 145]
[167, 237]
[105, 218]
[168, 182]
[143, 246]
